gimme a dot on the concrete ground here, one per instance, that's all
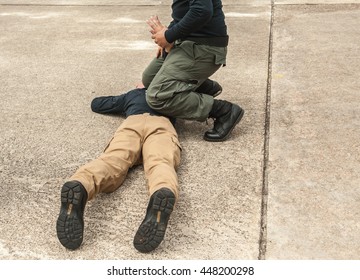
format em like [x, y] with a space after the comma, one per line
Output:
[284, 186]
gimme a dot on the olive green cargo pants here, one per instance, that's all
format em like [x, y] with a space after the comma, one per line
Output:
[171, 83]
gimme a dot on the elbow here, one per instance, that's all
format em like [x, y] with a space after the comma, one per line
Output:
[95, 104]
[101, 104]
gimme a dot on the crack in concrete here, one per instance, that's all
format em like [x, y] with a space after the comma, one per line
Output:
[264, 199]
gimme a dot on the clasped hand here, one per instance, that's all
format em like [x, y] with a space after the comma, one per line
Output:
[158, 35]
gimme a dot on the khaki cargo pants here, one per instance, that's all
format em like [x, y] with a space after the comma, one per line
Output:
[147, 139]
[171, 83]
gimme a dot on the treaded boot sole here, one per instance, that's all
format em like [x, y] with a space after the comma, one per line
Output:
[70, 223]
[152, 230]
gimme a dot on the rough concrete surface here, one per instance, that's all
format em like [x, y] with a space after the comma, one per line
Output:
[314, 135]
[284, 186]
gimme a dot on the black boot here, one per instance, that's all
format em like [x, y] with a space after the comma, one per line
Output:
[226, 116]
[152, 230]
[210, 87]
[70, 223]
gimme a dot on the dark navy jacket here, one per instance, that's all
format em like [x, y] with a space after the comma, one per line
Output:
[130, 103]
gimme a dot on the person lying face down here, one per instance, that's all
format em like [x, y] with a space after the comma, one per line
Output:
[144, 137]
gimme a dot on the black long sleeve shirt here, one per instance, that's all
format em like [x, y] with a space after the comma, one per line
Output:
[196, 18]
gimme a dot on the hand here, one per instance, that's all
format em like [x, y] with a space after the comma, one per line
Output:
[140, 85]
[169, 47]
[159, 38]
[155, 24]
[158, 33]
[159, 52]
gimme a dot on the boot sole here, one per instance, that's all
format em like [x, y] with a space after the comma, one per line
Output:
[152, 230]
[70, 224]
[238, 119]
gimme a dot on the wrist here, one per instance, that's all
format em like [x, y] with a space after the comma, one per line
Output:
[168, 36]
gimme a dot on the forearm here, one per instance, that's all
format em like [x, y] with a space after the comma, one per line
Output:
[108, 104]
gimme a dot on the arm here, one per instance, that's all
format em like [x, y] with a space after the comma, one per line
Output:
[172, 23]
[109, 104]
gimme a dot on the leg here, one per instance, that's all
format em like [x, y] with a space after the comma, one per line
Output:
[210, 87]
[104, 174]
[109, 170]
[172, 91]
[161, 154]
[207, 87]
[151, 71]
